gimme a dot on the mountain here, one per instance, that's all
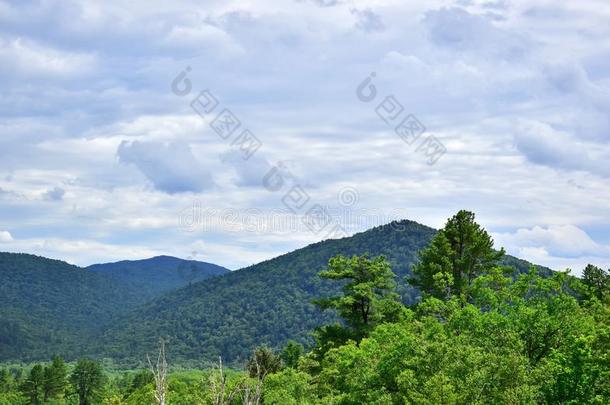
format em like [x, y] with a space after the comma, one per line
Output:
[51, 307]
[157, 275]
[48, 303]
[267, 303]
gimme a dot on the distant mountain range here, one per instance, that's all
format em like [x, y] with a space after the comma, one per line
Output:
[48, 306]
[120, 310]
[151, 277]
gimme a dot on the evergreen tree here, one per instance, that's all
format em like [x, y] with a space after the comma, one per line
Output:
[292, 353]
[368, 297]
[459, 253]
[55, 379]
[6, 380]
[88, 381]
[263, 362]
[597, 280]
[33, 387]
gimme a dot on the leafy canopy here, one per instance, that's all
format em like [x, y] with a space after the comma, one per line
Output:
[459, 253]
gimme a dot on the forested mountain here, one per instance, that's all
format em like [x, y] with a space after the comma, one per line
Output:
[267, 303]
[156, 275]
[51, 307]
[48, 305]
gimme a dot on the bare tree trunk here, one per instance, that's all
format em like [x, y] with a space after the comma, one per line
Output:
[254, 398]
[160, 374]
[218, 386]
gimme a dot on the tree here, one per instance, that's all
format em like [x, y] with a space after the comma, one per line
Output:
[160, 374]
[368, 297]
[292, 353]
[263, 362]
[55, 376]
[88, 380]
[597, 280]
[6, 380]
[458, 253]
[33, 387]
[141, 379]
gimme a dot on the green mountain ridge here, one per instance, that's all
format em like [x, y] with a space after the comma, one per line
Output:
[267, 303]
[51, 307]
[120, 310]
[154, 276]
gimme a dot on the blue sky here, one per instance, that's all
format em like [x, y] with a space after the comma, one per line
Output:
[101, 159]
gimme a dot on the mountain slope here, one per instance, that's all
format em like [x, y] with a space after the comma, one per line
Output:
[267, 303]
[157, 275]
[50, 307]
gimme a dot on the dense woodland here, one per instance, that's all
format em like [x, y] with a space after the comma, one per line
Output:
[118, 311]
[478, 331]
[49, 307]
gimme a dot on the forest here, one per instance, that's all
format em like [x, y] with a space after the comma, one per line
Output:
[478, 331]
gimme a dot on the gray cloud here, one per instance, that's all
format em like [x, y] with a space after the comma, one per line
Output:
[520, 98]
[367, 20]
[458, 30]
[544, 145]
[171, 167]
[55, 194]
[249, 172]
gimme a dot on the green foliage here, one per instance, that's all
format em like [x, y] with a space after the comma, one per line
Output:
[533, 342]
[597, 281]
[367, 294]
[289, 387]
[155, 276]
[263, 362]
[88, 381]
[33, 387]
[459, 253]
[265, 304]
[48, 306]
[291, 354]
[55, 379]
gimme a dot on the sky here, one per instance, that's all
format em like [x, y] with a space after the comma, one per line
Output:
[236, 131]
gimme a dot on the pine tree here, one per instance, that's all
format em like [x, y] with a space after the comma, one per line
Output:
[292, 353]
[55, 379]
[459, 253]
[88, 381]
[597, 280]
[369, 294]
[33, 387]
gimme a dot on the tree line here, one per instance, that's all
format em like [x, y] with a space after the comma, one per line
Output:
[479, 333]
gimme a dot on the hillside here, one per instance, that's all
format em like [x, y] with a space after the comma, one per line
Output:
[151, 277]
[51, 307]
[267, 303]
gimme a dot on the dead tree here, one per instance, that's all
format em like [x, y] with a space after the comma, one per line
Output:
[221, 395]
[160, 374]
[251, 397]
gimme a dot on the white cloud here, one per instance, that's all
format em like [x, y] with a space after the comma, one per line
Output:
[21, 57]
[5, 237]
[171, 168]
[557, 246]
[518, 92]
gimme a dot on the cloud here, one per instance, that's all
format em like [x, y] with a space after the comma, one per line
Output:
[171, 167]
[542, 144]
[367, 20]
[519, 97]
[22, 57]
[250, 173]
[5, 237]
[455, 29]
[55, 194]
[566, 241]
